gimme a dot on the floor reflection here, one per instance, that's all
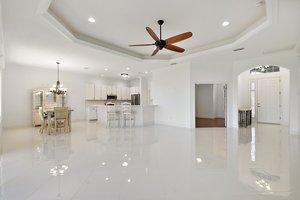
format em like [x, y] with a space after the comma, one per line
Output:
[153, 162]
[263, 156]
[210, 148]
[56, 148]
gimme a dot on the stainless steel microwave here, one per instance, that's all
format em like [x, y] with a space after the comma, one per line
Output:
[111, 97]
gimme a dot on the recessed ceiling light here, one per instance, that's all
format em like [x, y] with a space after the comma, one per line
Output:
[127, 68]
[225, 23]
[92, 20]
[105, 69]
[146, 72]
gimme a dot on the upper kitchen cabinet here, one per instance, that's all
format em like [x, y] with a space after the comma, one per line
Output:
[98, 92]
[123, 93]
[135, 90]
[104, 92]
[89, 91]
[111, 90]
[119, 93]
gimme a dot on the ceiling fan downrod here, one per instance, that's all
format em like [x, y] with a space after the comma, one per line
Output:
[160, 22]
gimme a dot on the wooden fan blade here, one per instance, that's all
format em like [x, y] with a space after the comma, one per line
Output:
[137, 45]
[152, 34]
[174, 48]
[179, 37]
[155, 51]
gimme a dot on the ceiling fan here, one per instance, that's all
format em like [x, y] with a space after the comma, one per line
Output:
[168, 43]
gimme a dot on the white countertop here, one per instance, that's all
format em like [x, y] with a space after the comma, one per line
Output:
[121, 105]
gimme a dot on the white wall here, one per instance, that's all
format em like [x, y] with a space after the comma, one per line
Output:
[212, 71]
[19, 81]
[135, 82]
[2, 63]
[244, 90]
[144, 91]
[287, 60]
[220, 112]
[171, 93]
[205, 101]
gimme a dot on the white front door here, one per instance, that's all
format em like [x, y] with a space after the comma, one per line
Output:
[268, 100]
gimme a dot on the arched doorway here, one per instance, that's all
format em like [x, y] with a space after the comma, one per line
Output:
[266, 91]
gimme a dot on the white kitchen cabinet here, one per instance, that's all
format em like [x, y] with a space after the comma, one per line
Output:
[98, 92]
[126, 93]
[104, 92]
[108, 90]
[89, 91]
[111, 90]
[123, 93]
[135, 90]
[119, 93]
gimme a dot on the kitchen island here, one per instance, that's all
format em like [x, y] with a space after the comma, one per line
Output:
[144, 114]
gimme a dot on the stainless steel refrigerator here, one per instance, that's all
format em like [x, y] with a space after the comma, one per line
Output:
[135, 99]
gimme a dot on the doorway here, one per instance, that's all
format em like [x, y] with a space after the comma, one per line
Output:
[266, 93]
[210, 105]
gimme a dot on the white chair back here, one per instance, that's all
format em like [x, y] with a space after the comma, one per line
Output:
[61, 112]
[126, 107]
[110, 107]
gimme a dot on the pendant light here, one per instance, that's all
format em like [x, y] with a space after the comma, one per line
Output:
[58, 88]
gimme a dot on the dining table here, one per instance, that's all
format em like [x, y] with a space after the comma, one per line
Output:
[50, 114]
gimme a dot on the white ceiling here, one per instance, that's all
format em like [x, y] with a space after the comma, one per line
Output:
[38, 33]
[120, 23]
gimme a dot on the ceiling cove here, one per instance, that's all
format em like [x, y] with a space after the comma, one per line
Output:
[226, 44]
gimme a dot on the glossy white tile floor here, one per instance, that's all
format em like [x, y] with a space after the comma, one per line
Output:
[150, 163]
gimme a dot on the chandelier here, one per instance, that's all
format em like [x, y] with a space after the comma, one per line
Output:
[58, 88]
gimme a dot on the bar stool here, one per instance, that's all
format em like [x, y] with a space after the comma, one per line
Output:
[127, 114]
[111, 114]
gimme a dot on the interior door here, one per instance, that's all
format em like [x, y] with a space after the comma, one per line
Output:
[268, 100]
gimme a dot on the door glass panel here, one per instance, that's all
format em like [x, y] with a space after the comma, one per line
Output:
[38, 99]
[252, 97]
[50, 97]
[252, 85]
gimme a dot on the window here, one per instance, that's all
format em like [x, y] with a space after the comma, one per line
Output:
[264, 69]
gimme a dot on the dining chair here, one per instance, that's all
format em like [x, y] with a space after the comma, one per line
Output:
[111, 114]
[61, 118]
[127, 114]
[43, 118]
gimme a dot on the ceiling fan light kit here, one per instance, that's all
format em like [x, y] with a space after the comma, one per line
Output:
[168, 43]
